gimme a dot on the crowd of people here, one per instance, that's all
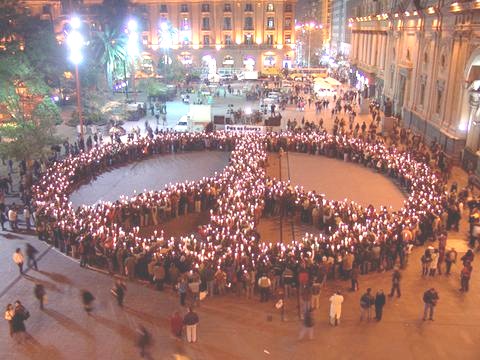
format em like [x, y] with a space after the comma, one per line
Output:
[228, 250]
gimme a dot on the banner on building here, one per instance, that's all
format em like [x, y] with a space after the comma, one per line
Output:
[245, 128]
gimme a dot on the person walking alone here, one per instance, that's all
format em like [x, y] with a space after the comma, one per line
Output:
[396, 277]
[119, 292]
[87, 300]
[144, 340]
[19, 259]
[465, 276]
[336, 301]
[20, 314]
[430, 299]
[380, 301]
[307, 327]
[191, 321]
[39, 292]
[31, 252]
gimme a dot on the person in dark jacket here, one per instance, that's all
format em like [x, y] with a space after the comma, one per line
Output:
[366, 302]
[144, 341]
[40, 293]
[87, 300]
[31, 252]
[396, 278]
[191, 321]
[307, 327]
[379, 304]
[430, 299]
[18, 322]
[119, 292]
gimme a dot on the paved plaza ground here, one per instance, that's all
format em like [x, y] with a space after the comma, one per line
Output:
[233, 327]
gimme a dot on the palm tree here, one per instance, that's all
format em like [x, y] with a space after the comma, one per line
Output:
[111, 51]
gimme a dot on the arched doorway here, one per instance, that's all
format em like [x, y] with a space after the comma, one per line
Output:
[209, 66]
[249, 63]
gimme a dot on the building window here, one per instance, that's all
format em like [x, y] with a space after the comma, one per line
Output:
[205, 7]
[422, 93]
[228, 39]
[443, 60]
[248, 39]
[288, 23]
[205, 23]
[184, 8]
[227, 8]
[288, 7]
[438, 105]
[270, 23]
[248, 23]
[227, 23]
[270, 7]
[288, 39]
[185, 24]
[206, 39]
[249, 7]
[163, 8]
[270, 39]
[47, 9]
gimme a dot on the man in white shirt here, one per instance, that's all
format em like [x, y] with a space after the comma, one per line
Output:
[18, 259]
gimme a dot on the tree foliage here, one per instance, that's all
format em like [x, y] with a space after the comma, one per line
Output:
[111, 51]
[152, 87]
[31, 115]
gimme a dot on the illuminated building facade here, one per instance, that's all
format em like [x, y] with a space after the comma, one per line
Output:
[421, 60]
[255, 35]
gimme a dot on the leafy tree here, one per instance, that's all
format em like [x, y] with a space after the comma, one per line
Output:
[31, 115]
[10, 15]
[46, 56]
[152, 87]
[111, 51]
[174, 71]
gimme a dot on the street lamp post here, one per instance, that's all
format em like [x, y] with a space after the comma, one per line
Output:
[75, 43]
[310, 26]
[132, 48]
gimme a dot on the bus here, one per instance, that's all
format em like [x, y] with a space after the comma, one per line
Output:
[299, 73]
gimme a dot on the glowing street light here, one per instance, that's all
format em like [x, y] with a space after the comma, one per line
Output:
[75, 43]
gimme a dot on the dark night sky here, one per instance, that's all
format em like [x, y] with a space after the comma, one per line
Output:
[301, 8]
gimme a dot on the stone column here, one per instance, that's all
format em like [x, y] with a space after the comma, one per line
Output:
[379, 50]
[353, 41]
[365, 48]
[368, 51]
[360, 47]
[383, 51]
[374, 50]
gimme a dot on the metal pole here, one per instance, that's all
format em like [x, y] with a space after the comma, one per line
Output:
[133, 81]
[79, 103]
[309, 42]
[125, 78]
